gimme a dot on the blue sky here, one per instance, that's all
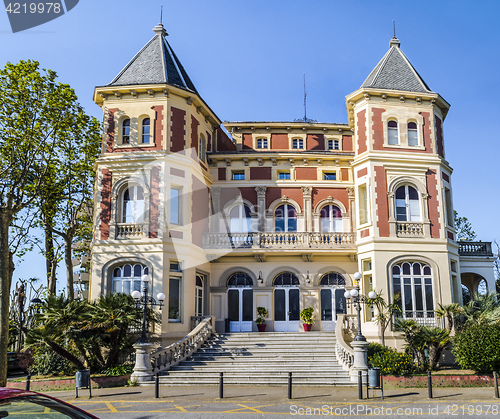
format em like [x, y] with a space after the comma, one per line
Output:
[247, 60]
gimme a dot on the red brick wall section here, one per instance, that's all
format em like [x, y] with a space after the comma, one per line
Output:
[361, 128]
[178, 130]
[176, 234]
[194, 133]
[232, 194]
[247, 142]
[364, 233]
[260, 173]
[306, 173]
[199, 210]
[106, 182]
[322, 193]
[158, 127]
[426, 132]
[279, 142]
[110, 134]
[154, 203]
[272, 194]
[362, 172]
[224, 143]
[177, 172]
[221, 173]
[344, 174]
[439, 136]
[347, 143]
[378, 128]
[315, 142]
[433, 203]
[381, 202]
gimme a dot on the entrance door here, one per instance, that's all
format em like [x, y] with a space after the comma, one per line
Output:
[332, 303]
[240, 309]
[286, 309]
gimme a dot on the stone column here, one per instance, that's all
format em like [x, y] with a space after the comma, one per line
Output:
[352, 208]
[307, 196]
[392, 216]
[261, 207]
[143, 371]
[360, 360]
[425, 213]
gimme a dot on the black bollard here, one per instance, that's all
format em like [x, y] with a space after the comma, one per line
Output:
[368, 385]
[28, 381]
[289, 385]
[429, 383]
[221, 385]
[157, 386]
[382, 385]
[360, 385]
[496, 384]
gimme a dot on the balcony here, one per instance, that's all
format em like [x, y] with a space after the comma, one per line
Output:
[280, 240]
[130, 231]
[421, 317]
[482, 249]
[409, 229]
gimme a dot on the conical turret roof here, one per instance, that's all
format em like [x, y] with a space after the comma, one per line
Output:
[155, 63]
[395, 72]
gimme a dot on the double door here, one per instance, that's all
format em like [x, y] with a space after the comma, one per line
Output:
[286, 309]
[332, 303]
[240, 309]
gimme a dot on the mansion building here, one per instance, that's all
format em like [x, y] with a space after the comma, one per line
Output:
[226, 217]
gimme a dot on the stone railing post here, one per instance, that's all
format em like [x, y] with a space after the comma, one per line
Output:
[143, 371]
[360, 359]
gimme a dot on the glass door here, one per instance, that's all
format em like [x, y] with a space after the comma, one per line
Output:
[240, 309]
[332, 303]
[286, 309]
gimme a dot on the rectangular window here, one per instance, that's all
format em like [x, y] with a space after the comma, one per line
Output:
[262, 143]
[284, 175]
[333, 145]
[240, 175]
[174, 292]
[175, 206]
[329, 176]
[449, 208]
[297, 143]
[363, 205]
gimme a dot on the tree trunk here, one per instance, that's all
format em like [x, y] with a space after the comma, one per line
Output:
[59, 350]
[68, 239]
[5, 282]
[50, 260]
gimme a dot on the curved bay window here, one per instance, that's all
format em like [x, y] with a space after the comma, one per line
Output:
[126, 131]
[330, 219]
[133, 205]
[127, 277]
[240, 220]
[407, 204]
[146, 131]
[285, 218]
[412, 291]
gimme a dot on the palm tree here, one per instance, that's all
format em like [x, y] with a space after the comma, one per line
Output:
[435, 339]
[449, 312]
[482, 308]
[384, 313]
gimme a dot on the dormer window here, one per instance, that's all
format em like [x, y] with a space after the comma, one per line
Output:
[146, 131]
[298, 144]
[333, 145]
[126, 131]
[412, 134]
[392, 133]
[262, 143]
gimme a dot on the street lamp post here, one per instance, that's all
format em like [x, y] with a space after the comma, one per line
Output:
[143, 300]
[356, 302]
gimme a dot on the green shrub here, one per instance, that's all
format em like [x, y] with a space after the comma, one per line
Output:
[374, 348]
[478, 347]
[392, 362]
[47, 362]
[123, 369]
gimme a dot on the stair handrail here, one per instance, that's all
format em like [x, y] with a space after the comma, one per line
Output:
[344, 352]
[165, 358]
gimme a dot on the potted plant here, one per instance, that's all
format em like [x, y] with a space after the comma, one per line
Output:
[261, 318]
[306, 316]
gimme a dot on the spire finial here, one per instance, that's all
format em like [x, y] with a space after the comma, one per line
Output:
[394, 27]
[394, 41]
[161, 15]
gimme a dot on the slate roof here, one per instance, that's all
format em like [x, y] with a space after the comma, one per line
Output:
[155, 63]
[395, 72]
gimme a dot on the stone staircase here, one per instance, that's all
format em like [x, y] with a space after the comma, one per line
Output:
[262, 359]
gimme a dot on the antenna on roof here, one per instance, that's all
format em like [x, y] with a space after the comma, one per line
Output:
[161, 14]
[305, 99]
[394, 27]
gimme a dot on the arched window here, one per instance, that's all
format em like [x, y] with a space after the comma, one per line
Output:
[285, 218]
[133, 205]
[287, 279]
[127, 277]
[330, 219]
[239, 279]
[412, 134]
[392, 133]
[240, 220]
[146, 130]
[412, 291]
[407, 204]
[126, 131]
[332, 279]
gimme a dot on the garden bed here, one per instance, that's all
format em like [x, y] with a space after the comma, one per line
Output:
[67, 383]
[439, 380]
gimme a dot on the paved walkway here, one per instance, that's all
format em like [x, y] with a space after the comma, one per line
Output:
[204, 402]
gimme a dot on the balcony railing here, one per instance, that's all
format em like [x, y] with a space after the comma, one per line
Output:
[279, 240]
[409, 229]
[129, 231]
[475, 249]
[421, 317]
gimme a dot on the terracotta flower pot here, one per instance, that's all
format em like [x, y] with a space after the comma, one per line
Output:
[307, 327]
[261, 327]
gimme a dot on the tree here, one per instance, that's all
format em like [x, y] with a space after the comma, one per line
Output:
[464, 228]
[449, 312]
[35, 111]
[384, 313]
